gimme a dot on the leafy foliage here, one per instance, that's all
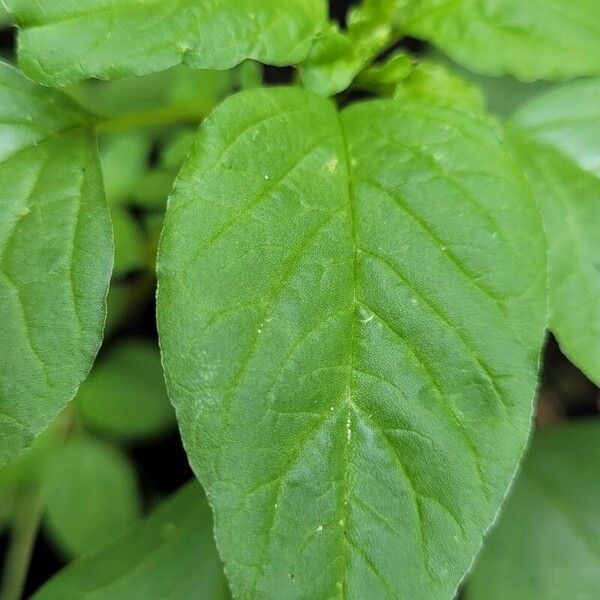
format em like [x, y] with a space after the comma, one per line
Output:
[171, 554]
[55, 256]
[531, 40]
[353, 286]
[557, 498]
[125, 396]
[61, 43]
[337, 57]
[341, 365]
[84, 477]
[557, 140]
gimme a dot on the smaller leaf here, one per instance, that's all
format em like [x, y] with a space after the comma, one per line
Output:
[557, 140]
[125, 395]
[432, 82]
[250, 75]
[383, 78]
[171, 554]
[530, 40]
[503, 95]
[152, 190]
[176, 92]
[337, 57]
[546, 545]
[124, 161]
[177, 148]
[91, 495]
[55, 256]
[117, 302]
[7, 505]
[26, 471]
[129, 242]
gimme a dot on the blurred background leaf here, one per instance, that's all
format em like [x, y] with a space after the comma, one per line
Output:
[546, 545]
[91, 495]
[171, 554]
[125, 396]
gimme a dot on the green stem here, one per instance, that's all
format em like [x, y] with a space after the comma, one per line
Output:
[24, 530]
[151, 118]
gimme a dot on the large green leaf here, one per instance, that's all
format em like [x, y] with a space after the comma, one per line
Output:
[547, 543]
[91, 495]
[55, 256]
[557, 140]
[170, 555]
[351, 309]
[537, 39]
[63, 42]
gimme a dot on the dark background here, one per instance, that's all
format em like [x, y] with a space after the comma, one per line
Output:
[565, 393]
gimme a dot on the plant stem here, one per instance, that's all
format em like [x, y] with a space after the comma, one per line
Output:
[24, 530]
[151, 118]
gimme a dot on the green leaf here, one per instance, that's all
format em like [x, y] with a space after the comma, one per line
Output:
[152, 191]
[557, 140]
[5, 17]
[531, 40]
[55, 256]
[7, 505]
[118, 303]
[61, 43]
[383, 78]
[432, 82]
[129, 242]
[177, 148]
[250, 75]
[171, 555]
[503, 95]
[177, 94]
[351, 308]
[125, 395]
[338, 56]
[124, 162]
[91, 495]
[28, 469]
[547, 543]
[24, 474]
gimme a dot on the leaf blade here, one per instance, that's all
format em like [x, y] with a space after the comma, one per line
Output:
[546, 543]
[533, 40]
[557, 139]
[56, 256]
[62, 44]
[91, 495]
[171, 553]
[288, 367]
[125, 396]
